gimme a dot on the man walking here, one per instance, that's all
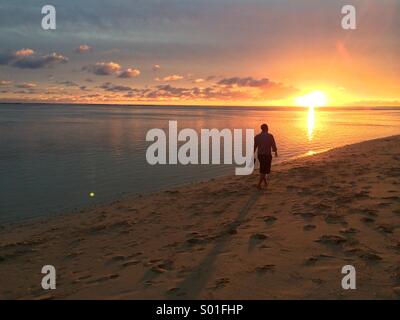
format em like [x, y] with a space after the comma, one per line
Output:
[265, 143]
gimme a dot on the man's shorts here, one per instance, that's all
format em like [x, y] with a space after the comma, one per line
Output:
[265, 163]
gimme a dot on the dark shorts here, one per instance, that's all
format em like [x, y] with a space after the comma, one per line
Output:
[265, 163]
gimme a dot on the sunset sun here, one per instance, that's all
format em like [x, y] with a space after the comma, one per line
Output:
[312, 99]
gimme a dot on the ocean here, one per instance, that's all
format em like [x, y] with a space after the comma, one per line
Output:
[58, 158]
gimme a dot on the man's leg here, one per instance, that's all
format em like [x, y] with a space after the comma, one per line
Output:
[266, 179]
[268, 169]
[262, 177]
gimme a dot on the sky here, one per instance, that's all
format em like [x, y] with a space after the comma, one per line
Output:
[200, 52]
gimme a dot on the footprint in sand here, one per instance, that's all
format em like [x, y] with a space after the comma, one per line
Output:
[334, 218]
[331, 240]
[367, 220]
[118, 257]
[309, 227]
[221, 283]
[317, 281]
[396, 247]
[258, 237]
[384, 204]
[264, 269]
[162, 267]
[305, 215]
[175, 291]
[385, 228]
[269, 219]
[130, 263]
[314, 259]
[392, 198]
[370, 257]
[348, 231]
[195, 241]
[105, 278]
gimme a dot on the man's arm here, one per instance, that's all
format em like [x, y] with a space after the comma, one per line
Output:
[255, 148]
[274, 148]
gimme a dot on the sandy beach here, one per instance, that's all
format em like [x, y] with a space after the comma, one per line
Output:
[224, 239]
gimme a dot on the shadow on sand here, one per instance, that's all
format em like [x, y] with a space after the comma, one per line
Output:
[190, 287]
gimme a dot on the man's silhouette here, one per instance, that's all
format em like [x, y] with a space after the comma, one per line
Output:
[265, 143]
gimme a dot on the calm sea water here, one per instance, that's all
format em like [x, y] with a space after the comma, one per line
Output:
[53, 156]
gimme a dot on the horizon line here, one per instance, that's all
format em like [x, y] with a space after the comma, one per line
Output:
[194, 105]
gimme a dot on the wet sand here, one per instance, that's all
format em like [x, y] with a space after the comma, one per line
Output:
[224, 239]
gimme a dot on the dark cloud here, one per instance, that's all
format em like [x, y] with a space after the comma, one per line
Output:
[111, 68]
[68, 83]
[103, 68]
[194, 93]
[30, 91]
[26, 85]
[29, 59]
[129, 73]
[266, 88]
[245, 82]
[108, 86]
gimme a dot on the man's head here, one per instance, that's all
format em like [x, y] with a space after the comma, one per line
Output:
[264, 127]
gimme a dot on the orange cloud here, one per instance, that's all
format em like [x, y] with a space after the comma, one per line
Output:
[129, 73]
[24, 52]
[83, 48]
[174, 77]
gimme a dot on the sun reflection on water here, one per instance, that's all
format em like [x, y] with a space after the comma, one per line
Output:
[311, 123]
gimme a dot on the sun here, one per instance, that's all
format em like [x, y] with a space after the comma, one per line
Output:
[312, 99]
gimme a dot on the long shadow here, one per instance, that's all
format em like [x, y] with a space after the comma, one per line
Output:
[195, 282]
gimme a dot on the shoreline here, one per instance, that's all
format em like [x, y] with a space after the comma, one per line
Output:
[222, 239]
[130, 195]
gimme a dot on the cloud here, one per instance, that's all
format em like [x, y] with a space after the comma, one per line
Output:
[108, 86]
[103, 68]
[111, 68]
[24, 53]
[68, 83]
[195, 93]
[129, 73]
[26, 85]
[245, 82]
[258, 88]
[29, 59]
[174, 77]
[228, 89]
[5, 82]
[156, 67]
[83, 48]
